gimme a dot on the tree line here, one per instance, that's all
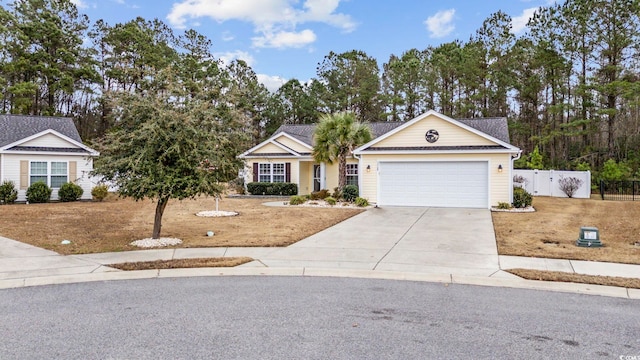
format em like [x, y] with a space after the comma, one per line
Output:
[569, 85]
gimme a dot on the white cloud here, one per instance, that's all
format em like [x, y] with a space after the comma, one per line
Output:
[228, 57]
[285, 39]
[80, 4]
[273, 83]
[440, 24]
[227, 36]
[275, 21]
[518, 23]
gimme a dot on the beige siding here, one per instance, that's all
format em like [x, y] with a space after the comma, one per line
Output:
[294, 145]
[271, 149]
[12, 171]
[450, 135]
[331, 173]
[499, 182]
[48, 140]
[306, 178]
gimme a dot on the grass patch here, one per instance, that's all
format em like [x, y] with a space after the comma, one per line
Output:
[560, 276]
[183, 263]
[552, 230]
[111, 225]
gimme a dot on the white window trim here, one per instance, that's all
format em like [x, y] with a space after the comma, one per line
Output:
[270, 173]
[48, 174]
[352, 175]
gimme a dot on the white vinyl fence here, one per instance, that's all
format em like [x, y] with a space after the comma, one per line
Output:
[546, 182]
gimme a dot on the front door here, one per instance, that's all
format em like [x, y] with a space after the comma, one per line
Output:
[316, 178]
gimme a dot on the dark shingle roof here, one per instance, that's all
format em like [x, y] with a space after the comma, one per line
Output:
[304, 132]
[17, 127]
[47, 149]
[495, 127]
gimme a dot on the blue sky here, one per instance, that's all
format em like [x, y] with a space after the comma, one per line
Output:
[284, 39]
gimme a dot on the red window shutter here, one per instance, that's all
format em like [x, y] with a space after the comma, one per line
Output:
[287, 172]
[255, 172]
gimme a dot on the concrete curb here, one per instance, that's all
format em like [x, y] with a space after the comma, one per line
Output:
[446, 279]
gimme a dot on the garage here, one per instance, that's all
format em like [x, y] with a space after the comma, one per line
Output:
[435, 184]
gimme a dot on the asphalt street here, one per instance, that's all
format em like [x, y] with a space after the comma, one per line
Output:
[310, 318]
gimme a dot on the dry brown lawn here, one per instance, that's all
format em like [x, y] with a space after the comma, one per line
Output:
[111, 225]
[183, 263]
[553, 229]
[559, 276]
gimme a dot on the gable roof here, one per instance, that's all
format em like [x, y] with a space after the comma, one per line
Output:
[14, 128]
[493, 129]
[304, 132]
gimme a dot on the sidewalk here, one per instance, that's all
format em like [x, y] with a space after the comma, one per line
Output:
[25, 265]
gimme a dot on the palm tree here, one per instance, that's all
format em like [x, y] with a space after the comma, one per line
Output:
[335, 138]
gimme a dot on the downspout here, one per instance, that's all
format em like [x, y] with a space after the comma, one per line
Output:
[359, 170]
[513, 159]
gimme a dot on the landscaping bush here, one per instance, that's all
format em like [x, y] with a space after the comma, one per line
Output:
[504, 206]
[570, 185]
[337, 194]
[38, 192]
[361, 202]
[266, 188]
[330, 200]
[8, 192]
[350, 193]
[237, 185]
[320, 195]
[521, 198]
[70, 192]
[100, 192]
[297, 200]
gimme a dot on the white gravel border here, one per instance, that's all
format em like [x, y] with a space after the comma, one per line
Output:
[161, 242]
[214, 213]
[515, 210]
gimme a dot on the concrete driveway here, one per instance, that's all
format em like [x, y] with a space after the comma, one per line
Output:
[408, 239]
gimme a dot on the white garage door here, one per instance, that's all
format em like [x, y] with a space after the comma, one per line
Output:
[437, 184]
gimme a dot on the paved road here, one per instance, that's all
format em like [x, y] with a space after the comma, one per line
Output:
[310, 318]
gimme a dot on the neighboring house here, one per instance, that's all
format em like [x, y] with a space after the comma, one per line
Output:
[431, 160]
[43, 148]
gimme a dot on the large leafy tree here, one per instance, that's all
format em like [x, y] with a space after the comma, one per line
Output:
[43, 62]
[168, 144]
[353, 84]
[335, 137]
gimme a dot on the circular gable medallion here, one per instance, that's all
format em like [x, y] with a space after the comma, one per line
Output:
[432, 136]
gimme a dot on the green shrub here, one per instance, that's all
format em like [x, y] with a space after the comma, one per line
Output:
[521, 198]
[297, 200]
[8, 192]
[330, 200]
[337, 194]
[350, 193]
[70, 192]
[38, 192]
[320, 195]
[266, 188]
[504, 206]
[361, 202]
[613, 171]
[100, 192]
